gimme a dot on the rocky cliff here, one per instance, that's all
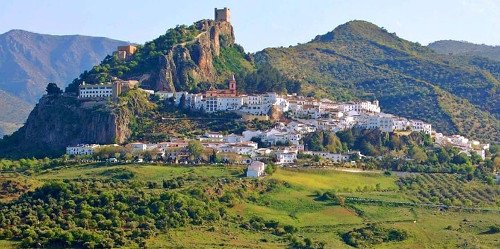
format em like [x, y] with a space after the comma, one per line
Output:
[59, 121]
[191, 62]
[178, 60]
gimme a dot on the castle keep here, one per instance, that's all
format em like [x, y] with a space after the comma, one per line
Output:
[222, 15]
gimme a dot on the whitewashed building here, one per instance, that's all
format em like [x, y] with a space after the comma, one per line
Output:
[138, 147]
[107, 90]
[248, 134]
[163, 95]
[244, 148]
[285, 157]
[364, 106]
[335, 157]
[275, 136]
[233, 138]
[256, 169]
[420, 126]
[82, 149]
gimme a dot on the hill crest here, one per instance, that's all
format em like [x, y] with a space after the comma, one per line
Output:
[359, 60]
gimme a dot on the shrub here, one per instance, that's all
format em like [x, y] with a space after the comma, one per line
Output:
[494, 229]
[373, 234]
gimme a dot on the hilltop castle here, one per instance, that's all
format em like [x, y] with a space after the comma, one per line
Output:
[222, 15]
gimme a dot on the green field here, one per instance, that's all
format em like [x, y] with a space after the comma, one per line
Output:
[5, 244]
[338, 180]
[295, 202]
[142, 172]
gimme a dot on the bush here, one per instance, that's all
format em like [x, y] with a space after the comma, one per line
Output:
[494, 229]
[372, 235]
[270, 168]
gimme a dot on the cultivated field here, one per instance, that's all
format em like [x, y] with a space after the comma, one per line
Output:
[389, 201]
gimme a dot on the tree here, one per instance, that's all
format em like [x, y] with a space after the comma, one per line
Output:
[418, 154]
[270, 169]
[443, 155]
[195, 148]
[151, 155]
[53, 89]
[214, 158]
[461, 158]
[496, 163]
[475, 158]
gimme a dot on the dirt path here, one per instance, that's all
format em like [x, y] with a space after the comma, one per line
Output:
[194, 39]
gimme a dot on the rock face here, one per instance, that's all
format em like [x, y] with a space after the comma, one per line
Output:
[59, 121]
[193, 61]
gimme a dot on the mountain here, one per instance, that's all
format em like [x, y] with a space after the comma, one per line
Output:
[13, 112]
[184, 58]
[178, 60]
[466, 48]
[28, 61]
[359, 60]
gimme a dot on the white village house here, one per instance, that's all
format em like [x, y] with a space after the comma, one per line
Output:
[256, 169]
[335, 157]
[285, 157]
[82, 149]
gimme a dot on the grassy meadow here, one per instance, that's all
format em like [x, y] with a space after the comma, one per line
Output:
[296, 202]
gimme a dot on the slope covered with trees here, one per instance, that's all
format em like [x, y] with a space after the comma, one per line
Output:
[180, 59]
[466, 49]
[359, 60]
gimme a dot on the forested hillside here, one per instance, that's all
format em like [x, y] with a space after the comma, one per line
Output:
[360, 60]
[466, 48]
[180, 59]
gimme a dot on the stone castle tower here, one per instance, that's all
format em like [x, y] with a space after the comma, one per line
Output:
[222, 15]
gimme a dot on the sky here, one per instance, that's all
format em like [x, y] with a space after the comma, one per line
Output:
[258, 23]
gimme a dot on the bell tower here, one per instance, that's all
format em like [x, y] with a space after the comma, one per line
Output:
[232, 84]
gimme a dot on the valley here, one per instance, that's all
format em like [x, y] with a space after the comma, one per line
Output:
[297, 200]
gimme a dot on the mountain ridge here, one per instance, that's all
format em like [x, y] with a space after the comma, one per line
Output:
[357, 60]
[361, 60]
[28, 61]
[466, 49]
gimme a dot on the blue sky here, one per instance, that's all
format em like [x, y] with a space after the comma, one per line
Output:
[258, 23]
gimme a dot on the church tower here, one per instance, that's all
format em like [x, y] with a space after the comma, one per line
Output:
[232, 84]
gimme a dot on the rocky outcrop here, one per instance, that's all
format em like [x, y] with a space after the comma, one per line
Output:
[59, 121]
[187, 63]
